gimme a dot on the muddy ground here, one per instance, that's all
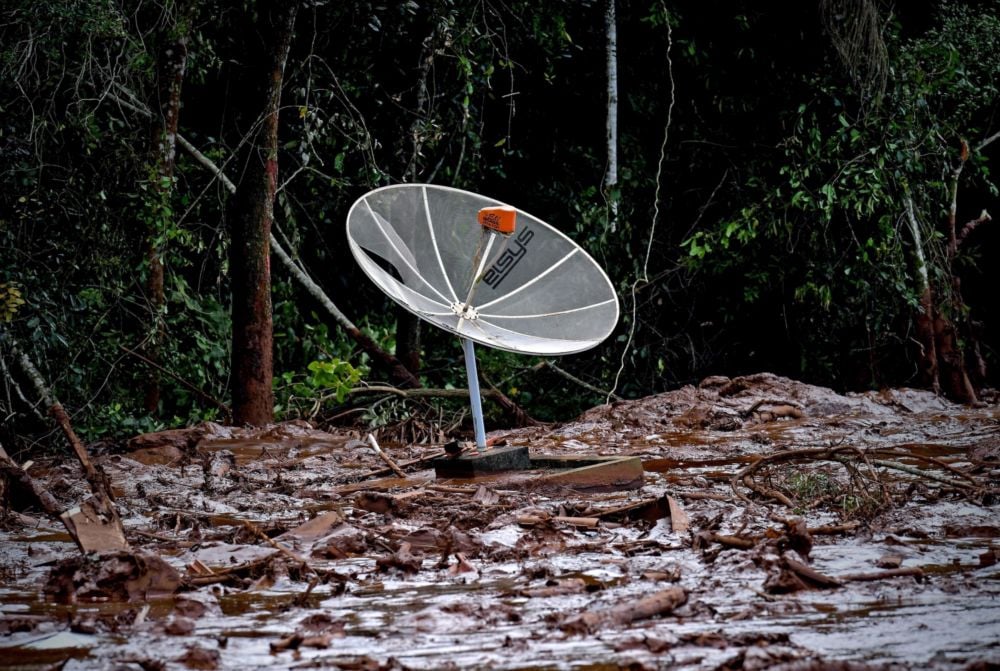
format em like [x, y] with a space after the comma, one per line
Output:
[778, 525]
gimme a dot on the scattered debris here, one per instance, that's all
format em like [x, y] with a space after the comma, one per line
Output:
[121, 576]
[402, 560]
[277, 548]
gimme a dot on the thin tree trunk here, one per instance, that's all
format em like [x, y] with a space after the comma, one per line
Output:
[951, 354]
[408, 340]
[611, 176]
[171, 64]
[250, 221]
[924, 319]
[943, 356]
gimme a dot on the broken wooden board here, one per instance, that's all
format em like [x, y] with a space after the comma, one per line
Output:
[679, 521]
[95, 526]
[588, 474]
[318, 527]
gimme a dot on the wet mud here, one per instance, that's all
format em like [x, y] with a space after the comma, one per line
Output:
[779, 525]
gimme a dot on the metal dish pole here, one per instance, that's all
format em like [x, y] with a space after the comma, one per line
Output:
[475, 400]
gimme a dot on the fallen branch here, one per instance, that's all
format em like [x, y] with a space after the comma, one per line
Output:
[16, 474]
[575, 380]
[923, 474]
[588, 522]
[224, 574]
[737, 542]
[810, 574]
[257, 531]
[97, 483]
[513, 410]
[767, 492]
[396, 368]
[750, 542]
[807, 454]
[403, 464]
[657, 604]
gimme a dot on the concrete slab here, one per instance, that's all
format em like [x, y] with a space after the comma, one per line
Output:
[510, 458]
[546, 472]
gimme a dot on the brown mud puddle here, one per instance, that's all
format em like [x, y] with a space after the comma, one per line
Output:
[864, 531]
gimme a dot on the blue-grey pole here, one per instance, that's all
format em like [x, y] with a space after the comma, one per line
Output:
[475, 400]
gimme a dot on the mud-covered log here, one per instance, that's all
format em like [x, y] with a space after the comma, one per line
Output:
[660, 603]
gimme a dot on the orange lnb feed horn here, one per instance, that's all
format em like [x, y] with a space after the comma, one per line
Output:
[500, 218]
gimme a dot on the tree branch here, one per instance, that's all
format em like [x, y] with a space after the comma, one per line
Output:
[988, 141]
[970, 226]
[41, 495]
[97, 483]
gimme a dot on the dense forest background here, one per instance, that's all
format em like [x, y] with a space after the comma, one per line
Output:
[801, 187]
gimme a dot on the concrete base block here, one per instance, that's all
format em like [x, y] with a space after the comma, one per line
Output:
[493, 460]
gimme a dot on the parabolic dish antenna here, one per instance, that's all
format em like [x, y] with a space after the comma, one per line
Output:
[482, 270]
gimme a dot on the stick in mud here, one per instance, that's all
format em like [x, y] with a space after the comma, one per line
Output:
[385, 457]
[913, 571]
[403, 464]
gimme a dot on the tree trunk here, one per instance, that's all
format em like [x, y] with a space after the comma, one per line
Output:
[951, 356]
[171, 63]
[945, 332]
[924, 319]
[611, 175]
[250, 218]
[408, 340]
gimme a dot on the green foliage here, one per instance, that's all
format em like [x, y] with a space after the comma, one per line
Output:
[10, 301]
[325, 383]
[821, 231]
[779, 240]
[335, 377]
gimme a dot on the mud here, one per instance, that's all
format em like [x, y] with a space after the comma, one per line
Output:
[289, 548]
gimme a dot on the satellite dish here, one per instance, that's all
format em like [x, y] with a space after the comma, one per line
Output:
[483, 270]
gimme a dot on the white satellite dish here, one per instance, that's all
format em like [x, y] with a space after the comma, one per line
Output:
[483, 270]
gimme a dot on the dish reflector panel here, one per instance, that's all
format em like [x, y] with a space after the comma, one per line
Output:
[532, 291]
